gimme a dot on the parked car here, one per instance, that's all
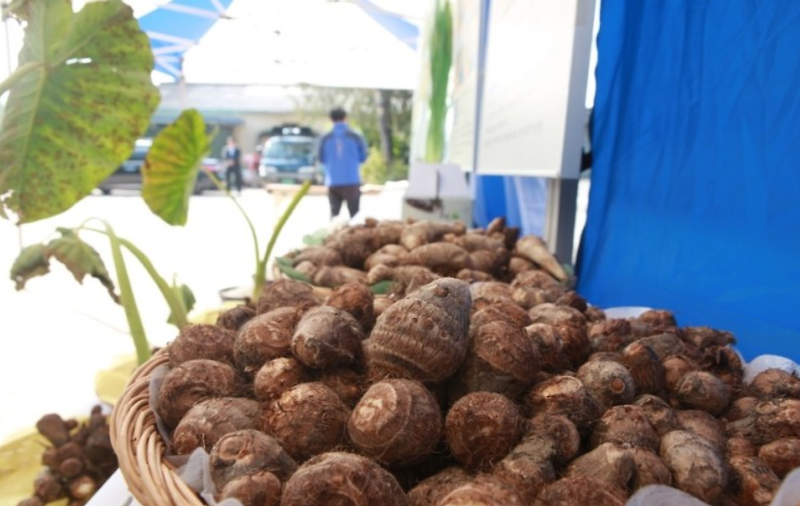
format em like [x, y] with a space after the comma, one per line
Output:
[290, 156]
[128, 176]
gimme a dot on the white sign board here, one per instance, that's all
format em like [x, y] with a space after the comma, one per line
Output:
[533, 110]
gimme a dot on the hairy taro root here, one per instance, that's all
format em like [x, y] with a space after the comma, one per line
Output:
[202, 341]
[277, 376]
[646, 369]
[443, 258]
[265, 337]
[610, 462]
[704, 425]
[397, 422]
[338, 478]
[348, 384]
[244, 452]
[661, 415]
[327, 337]
[626, 425]
[235, 317]
[286, 293]
[702, 390]
[581, 490]
[192, 382]
[548, 340]
[697, 466]
[205, 423]
[358, 300]
[482, 427]
[752, 482]
[774, 383]
[431, 490]
[610, 335]
[308, 419]
[261, 488]
[565, 395]
[782, 455]
[484, 491]
[609, 382]
[338, 275]
[423, 336]
[534, 248]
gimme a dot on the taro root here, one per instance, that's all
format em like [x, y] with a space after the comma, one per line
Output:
[581, 490]
[726, 364]
[782, 455]
[354, 244]
[308, 419]
[286, 293]
[704, 425]
[472, 241]
[424, 232]
[534, 249]
[649, 469]
[576, 343]
[235, 317]
[205, 423]
[246, 452]
[201, 341]
[675, 367]
[697, 466]
[556, 432]
[703, 337]
[518, 265]
[488, 261]
[277, 376]
[423, 336]
[530, 297]
[774, 383]
[626, 425]
[381, 258]
[317, 255]
[501, 359]
[702, 390]
[740, 408]
[548, 340]
[482, 491]
[347, 383]
[307, 269]
[381, 304]
[610, 335]
[609, 382]
[338, 275]
[594, 314]
[404, 275]
[565, 395]
[472, 276]
[527, 474]
[664, 345]
[192, 382]
[742, 447]
[658, 317]
[357, 299]
[261, 488]
[769, 421]
[502, 310]
[327, 337]
[752, 482]
[265, 337]
[338, 478]
[397, 422]
[431, 490]
[557, 315]
[646, 369]
[660, 414]
[482, 427]
[489, 292]
[389, 233]
[610, 462]
[443, 258]
[572, 300]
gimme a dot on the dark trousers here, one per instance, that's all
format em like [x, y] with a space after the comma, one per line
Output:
[234, 172]
[338, 194]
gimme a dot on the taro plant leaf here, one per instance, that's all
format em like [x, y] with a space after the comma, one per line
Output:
[286, 267]
[80, 97]
[170, 169]
[186, 297]
[81, 259]
[316, 238]
[31, 262]
[382, 287]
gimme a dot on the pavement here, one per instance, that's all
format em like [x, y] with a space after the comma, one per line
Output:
[58, 334]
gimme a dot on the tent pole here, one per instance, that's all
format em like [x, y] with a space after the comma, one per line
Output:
[559, 227]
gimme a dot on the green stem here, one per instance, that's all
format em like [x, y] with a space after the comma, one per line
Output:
[18, 74]
[262, 265]
[127, 298]
[176, 305]
[220, 186]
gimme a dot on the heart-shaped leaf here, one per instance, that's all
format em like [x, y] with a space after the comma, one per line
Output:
[31, 262]
[80, 97]
[81, 259]
[170, 169]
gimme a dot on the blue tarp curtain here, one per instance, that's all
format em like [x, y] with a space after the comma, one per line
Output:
[695, 194]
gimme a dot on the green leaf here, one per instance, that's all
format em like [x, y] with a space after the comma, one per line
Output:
[284, 261]
[81, 259]
[170, 169]
[292, 273]
[31, 262]
[83, 94]
[186, 296]
[316, 238]
[382, 287]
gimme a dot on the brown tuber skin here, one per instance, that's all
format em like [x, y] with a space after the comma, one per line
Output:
[610, 462]
[327, 337]
[660, 414]
[244, 452]
[649, 469]
[548, 340]
[338, 275]
[261, 488]
[581, 490]
[774, 383]
[482, 491]
[704, 425]
[431, 490]
[265, 337]
[202, 341]
[397, 422]
[565, 395]
[646, 369]
[782, 455]
[344, 479]
[277, 376]
[626, 425]
[357, 299]
[481, 428]
[697, 466]
[423, 336]
[234, 318]
[610, 335]
[702, 390]
[308, 419]
[769, 421]
[205, 423]
[443, 258]
[505, 310]
[752, 481]
[348, 384]
[609, 382]
[286, 293]
[192, 382]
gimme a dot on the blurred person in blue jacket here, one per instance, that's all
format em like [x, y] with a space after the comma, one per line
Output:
[341, 152]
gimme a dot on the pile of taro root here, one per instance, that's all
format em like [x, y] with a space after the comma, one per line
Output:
[480, 378]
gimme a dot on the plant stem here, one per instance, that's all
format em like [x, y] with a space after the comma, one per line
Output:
[262, 265]
[127, 298]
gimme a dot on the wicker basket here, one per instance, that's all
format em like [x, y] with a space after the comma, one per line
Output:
[139, 447]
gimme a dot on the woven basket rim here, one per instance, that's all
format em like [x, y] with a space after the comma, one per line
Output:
[151, 479]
